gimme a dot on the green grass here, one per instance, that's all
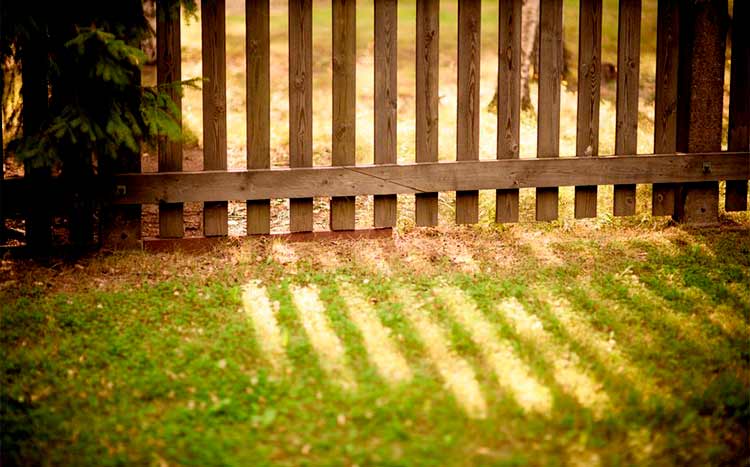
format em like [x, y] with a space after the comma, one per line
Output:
[157, 364]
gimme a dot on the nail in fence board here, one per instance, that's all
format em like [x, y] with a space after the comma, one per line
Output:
[589, 80]
[344, 104]
[386, 100]
[214, 107]
[427, 102]
[550, 67]
[467, 131]
[628, 63]
[258, 106]
[665, 107]
[168, 70]
[300, 106]
[508, 101]
[739, 101]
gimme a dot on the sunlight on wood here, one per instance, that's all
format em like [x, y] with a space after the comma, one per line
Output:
[323, 339]
[256, 305]
[512, 373]
[382, 351]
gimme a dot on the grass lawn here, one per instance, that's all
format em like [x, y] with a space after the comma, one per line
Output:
[584, 344]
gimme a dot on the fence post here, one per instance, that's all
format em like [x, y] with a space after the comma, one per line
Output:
[699, 113]
[739, 101]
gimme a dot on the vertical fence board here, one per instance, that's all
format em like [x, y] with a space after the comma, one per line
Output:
[739, 101]
[467, 131]
[628, 63]
[508, 101]
[386, 101]
[258, 106]
[550, 68]
[589, 81]
[300, 106]
[344, 104]
[169, 70]
[213, 43]
[665, 107]
[427, 102]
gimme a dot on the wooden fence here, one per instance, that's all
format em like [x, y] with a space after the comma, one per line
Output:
[686, 135]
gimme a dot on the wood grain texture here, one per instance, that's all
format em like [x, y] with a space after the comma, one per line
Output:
[213, 42]
[739, 101]
[169, 70]
[300, 105]
[344, 103]
[589, 85]
[550, 69]
[508, 101]
[386, 101]
[258, 106]
[426, 209]
[665, 107]
[628, 64]
[468, 106]
[427, 177]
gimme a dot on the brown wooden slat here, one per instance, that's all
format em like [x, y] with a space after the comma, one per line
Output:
[589, 81]
[258, 106]
[169, 70]
[429, 177]
[386, 101]
[628, 63]
[550, 67]
[426, 209]
[739, 101]
[344, 103]
[508, 101]
[300, 106]
[213, 34]
[467, 119]
[665, 108]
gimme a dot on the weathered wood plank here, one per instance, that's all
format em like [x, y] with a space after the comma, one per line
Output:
[426, 209]
[430, 177]
[468, 108]
[550, 69]
[386, 101]
[344, 103]
[628, 68]
[739, 101]
[258, 106]
[169, 70]
[665, 107]
[589, 83]
[508, 101]
[213, 41]
[300, 105]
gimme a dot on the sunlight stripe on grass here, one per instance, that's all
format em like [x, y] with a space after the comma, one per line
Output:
[322, 337]
[512, 373]
[456, 372]
[391, 365]
[256, 305]
[574, 381]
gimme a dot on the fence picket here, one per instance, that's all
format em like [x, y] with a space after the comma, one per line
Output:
[665, 107]
[739, 101]
[344, 104]
[300, 106]
[427, 102]
[168, 70]
[508, 101]
[589, 81]
[213, 35]
[386, 100]
[258, 106]
[628, 63]
[550, 67]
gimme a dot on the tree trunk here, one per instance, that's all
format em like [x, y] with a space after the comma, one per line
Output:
[529, 48]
